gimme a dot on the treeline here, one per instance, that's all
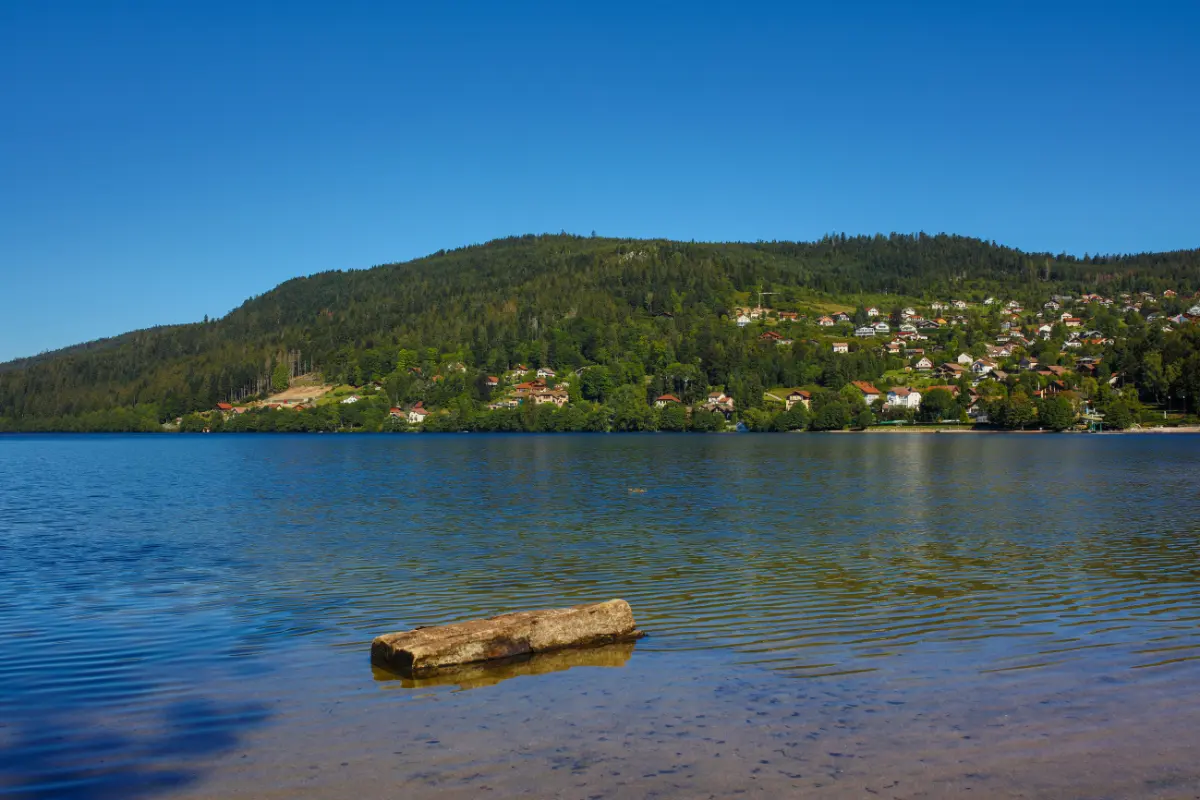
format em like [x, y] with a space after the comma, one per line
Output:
[636, 308]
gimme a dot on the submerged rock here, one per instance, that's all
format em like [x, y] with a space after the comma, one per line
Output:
[427, 651]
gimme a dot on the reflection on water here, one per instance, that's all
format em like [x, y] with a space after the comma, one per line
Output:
[171, 607]
[489, 673]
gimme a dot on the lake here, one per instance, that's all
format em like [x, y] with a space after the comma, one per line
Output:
[904, 616]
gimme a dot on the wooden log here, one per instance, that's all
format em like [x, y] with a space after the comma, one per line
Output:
[427, 651]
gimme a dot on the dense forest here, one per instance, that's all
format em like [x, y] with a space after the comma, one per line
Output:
[652, 315]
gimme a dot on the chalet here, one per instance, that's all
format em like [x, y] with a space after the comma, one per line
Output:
[788, 316]
[1053, 370]
[882, 327]
[864, 332]
[666, 400]
[982, 366]
[826, 322]
[720, 398]
[952, 370]
[743, 321]
[1051, 306]
[224, 407]
[960, 305]
[556, 396]
[841, 317]
[924, 364]
[799, 396]
[908, 313]
[770, 336]
[417, 414]
[895, 346]
[965, 359]
[396, 413]
[1073, 322]
[1027, 363]
[869, 392]
[1045, 331]
[492, 381]
[901, 397]
[872, 312]
[908, 327]
[841, 347]
[528, 388]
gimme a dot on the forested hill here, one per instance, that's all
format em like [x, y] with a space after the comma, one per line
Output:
[554, 300]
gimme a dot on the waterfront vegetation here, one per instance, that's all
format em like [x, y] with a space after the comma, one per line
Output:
[567, 333]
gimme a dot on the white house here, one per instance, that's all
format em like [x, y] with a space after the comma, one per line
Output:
[865, 332]
[872, 312]
[742, 320]
[908, 327]
[799, 396]
[417, 415]
[901, 397]
[351, 399]
[882, 327]
[545, 372]
[842, 347]
[665, 400]
[924, 364]
[825, 322]
[981, 366]
[965, 358]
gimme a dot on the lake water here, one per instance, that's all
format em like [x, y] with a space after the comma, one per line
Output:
[898, 616]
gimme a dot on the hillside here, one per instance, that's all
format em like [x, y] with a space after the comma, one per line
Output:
[646, 311]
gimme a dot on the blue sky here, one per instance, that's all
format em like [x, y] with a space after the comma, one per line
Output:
[163, 161]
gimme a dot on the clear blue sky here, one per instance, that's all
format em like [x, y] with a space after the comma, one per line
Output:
[163, 161]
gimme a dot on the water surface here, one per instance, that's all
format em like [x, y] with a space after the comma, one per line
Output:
[909, 616]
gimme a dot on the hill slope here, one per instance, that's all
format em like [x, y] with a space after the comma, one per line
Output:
[559, 301]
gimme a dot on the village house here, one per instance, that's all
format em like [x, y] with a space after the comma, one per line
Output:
[528, 388]
[417, 414]
[872, 312]
[895, 346]
[351, 399]
[882, 327]
[982, 366]
[960, 305]
[965, 359]
[788, 316]
[826, 322]
[545, 372]
[841, 347]
[666, 400]
[720, 398]
[770, 336]
[224, 408]
[952, 371]
[799, 396]
[492, 381]
[743, 321]
[908, 313]
[938, 305]
[908, 327]
[556, 396]
[923, 364]
[1073, 322]
[901, 397]
[864, 332]
[396, 413]
[869, 392]
[841, 316]
[1169, 293]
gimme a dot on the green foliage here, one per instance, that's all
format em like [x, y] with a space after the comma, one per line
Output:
[832, 416]
[1117, 415]
[1056, 413]
[864, 420]
[937, 405]
[639, 316]
[280, 377]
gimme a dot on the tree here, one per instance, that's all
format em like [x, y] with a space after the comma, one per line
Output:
[280, 377]
[672, 417]
[832, 416]
[1117, 415]
[1056, 413]
[865, 419]
[796, 418]
[937, 405]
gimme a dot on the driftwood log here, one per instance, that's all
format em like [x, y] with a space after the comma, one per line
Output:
[428, 651]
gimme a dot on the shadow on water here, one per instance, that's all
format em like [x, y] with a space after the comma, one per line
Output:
[490, 673]
[61, 754]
